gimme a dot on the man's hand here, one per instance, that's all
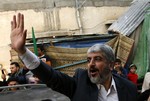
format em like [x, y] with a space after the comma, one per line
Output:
[3, 76]
[18, 34]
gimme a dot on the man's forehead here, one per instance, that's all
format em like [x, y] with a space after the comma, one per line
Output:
[13, 65]
[117, 63]
[13, 82]
[94, 54]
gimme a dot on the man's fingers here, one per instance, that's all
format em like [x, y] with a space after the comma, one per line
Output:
[24, 34]
[21, 25]
[18, 20]
[13, 23]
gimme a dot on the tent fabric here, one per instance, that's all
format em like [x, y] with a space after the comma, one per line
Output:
[122, 46]
[60, 56]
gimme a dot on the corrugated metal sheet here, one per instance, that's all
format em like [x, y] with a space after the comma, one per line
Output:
[130, 20]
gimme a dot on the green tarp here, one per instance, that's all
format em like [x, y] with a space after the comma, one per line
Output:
[142, 52]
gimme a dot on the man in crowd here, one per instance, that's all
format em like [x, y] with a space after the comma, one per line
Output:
[3, 82]
[118, 69]
[145, 93]
[17, 72]
[12, 81]
[94, 84]
[41, 54]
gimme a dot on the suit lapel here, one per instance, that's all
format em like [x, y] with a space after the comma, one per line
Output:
[93, 93]
[120, 90]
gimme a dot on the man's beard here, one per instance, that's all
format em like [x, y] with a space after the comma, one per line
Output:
[102, 77]
[95, 80]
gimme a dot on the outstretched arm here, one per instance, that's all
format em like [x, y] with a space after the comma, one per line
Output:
[18, 34]
[58, 81]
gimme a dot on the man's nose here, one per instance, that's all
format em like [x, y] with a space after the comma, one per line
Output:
[92, 62]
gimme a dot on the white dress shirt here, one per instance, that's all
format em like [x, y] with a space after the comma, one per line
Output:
[30, 60]
[110, 95]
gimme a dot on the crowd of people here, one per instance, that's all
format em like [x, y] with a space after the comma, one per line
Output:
[22, 75]
[17, 76]
[128, 73]
[105, 79]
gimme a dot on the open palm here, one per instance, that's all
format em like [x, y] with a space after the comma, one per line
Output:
[18, 34]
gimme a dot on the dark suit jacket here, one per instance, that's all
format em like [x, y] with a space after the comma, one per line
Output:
[79, 87]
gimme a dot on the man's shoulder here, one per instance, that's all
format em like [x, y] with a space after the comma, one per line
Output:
[47, 57]
[124, 86]
[80, 72]
[122, 81]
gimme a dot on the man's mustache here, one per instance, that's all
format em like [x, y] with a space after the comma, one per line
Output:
[93, 69]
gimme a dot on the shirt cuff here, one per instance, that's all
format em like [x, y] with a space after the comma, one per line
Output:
[30, 60]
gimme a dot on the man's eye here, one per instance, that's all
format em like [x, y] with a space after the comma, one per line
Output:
[88, 60]
[98, 58]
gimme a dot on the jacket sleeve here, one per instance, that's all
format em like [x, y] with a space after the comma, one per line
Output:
[56, 80]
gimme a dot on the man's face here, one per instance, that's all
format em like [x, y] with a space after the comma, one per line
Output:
[117, 65]
[40, 52]
[12, 83]
[98, 68]
[13, 69]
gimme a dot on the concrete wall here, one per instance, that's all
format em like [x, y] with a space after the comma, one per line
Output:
[7, 5]
[50, 16]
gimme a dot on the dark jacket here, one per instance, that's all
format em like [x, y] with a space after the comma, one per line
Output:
[20, 76]
[79, 87]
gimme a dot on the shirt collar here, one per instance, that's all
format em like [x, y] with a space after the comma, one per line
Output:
[42, 56]
[112, 86]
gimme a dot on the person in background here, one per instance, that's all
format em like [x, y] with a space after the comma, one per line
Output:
[34, 80]
[146, 82]
[96, 83]
[3, 76]
[145, 93]
[11, 82]
[3, 83]
[18, 72]
[118, 69]
[41, 54]
[132, 76]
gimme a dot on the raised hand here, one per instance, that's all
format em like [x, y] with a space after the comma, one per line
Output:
[3, 76]
[18, 34]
